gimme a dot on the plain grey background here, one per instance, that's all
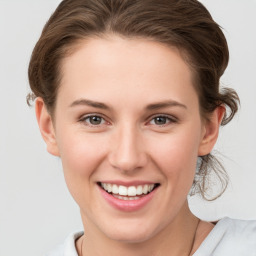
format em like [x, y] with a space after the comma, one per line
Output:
[36, 210]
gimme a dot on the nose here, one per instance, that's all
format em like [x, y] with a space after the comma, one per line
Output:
[127, 152]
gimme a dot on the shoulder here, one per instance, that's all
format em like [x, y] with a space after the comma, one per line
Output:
[230, 237]
[241, 231]
[67, 248]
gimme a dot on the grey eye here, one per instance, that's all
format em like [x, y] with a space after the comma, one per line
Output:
[160, 120]
[95, 120]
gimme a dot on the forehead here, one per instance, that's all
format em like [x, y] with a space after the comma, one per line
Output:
[100, 67]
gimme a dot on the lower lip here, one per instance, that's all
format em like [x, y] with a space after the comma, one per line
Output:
[128, 205]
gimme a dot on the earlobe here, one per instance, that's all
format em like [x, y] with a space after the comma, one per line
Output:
[46, 127]
[211, 131]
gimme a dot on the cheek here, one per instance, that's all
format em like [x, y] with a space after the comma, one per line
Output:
[80, 156]
[176, 156]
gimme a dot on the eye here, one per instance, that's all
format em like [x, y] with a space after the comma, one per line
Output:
[161, 120]
[93, 120]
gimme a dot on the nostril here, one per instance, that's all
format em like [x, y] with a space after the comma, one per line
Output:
[128, 163]
[127, 153]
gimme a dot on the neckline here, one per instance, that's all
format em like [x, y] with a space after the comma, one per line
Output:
[211, 236]
[216, 224]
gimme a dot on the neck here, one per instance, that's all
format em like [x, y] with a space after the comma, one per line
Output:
[177, 237]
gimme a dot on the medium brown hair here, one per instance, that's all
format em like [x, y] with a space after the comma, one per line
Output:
[184, 24]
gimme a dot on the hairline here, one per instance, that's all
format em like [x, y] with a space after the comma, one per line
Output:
[74, 46]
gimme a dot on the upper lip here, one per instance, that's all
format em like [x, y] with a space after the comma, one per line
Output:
[128, 183]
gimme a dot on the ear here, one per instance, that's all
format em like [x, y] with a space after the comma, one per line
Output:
[211, 131]
[46, 127]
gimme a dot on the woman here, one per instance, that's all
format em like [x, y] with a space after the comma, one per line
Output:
[128, 97]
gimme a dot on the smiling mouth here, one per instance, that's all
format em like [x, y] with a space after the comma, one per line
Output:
[128, 193]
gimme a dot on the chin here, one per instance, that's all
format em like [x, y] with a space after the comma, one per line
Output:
[130, 237]
[131, 232]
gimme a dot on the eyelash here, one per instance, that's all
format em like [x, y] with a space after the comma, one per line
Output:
[84, 118]
[169, 120]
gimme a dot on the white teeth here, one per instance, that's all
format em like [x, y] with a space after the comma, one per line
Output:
[145, 189]
[109, 188]
[127, 191]
[139, 190]
[122, 191]
[131, 191]
[126, 197]
[115, 189]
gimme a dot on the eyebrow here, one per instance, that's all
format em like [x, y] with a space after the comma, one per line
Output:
[153, 106]
[86, 102]
[165, 104]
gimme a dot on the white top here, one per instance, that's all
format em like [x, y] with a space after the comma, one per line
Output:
[229, 237]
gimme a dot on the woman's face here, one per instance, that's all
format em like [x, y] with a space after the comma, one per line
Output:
[127, 119]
